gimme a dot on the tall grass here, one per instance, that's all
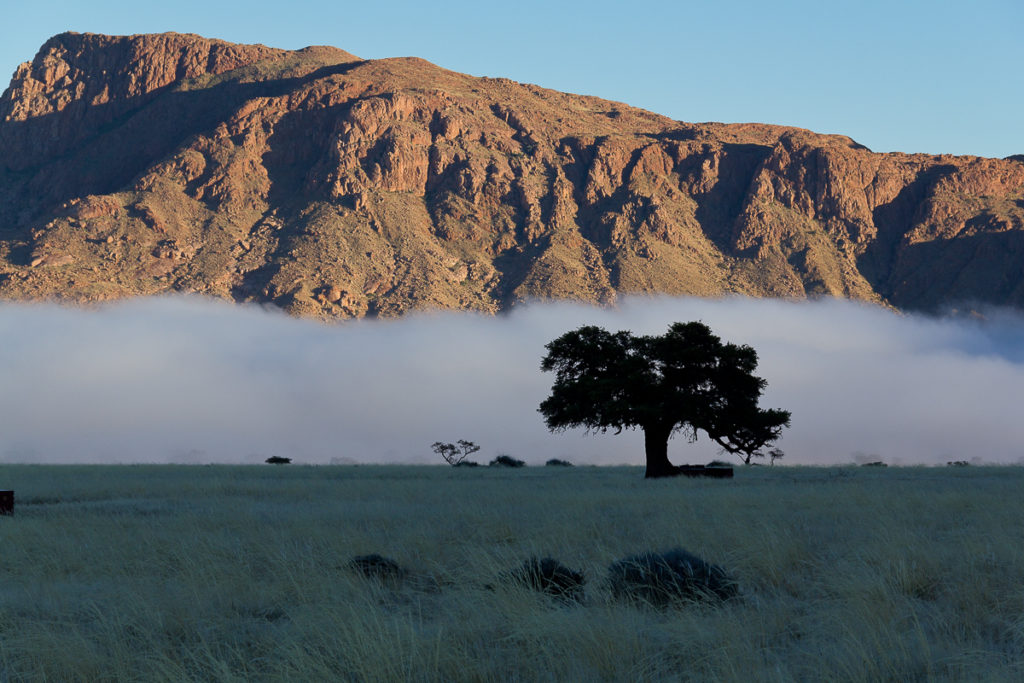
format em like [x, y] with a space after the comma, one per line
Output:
[239, 573]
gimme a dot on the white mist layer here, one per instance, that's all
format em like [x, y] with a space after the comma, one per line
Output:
[196, 381]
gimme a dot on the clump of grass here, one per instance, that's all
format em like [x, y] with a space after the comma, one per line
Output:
[548, 575]
[378, 567]
[664, 578]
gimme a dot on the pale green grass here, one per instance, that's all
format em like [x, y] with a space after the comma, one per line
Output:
[238, 573]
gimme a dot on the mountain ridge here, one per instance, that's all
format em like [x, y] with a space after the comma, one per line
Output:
[333, 186]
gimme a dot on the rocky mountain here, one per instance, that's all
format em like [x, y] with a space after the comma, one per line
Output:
[334, 187]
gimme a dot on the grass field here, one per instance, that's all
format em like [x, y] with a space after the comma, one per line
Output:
[178, 573]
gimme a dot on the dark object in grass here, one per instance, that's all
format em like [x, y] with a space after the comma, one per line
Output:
[466, 463]
[555, 462]
[6, 502]
[270, 614]
[877, 463]
[661, 579]
[702, 471]
[551, 577]
[506, 461]
[958, 463]
[719, 463]
[377, 567]
[277, 460]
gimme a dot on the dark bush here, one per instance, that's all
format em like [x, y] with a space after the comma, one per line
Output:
[877, 463]
[555, 462]
[660, 579]
[466, 463]
[377, 567]
[958, 463]
[277, 460]
[719, 463]
[506, 461]
[551, 577]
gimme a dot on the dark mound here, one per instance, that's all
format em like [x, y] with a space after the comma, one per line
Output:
[675, 575]
[555, 462]
[551, 577]
[377, 567]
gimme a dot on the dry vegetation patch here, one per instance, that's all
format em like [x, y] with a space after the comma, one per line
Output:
[244, 573]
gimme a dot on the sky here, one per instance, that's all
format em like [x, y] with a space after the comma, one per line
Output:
[895, 75]
[188, 380]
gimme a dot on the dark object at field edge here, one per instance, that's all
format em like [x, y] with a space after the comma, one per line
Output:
[6, 502]
[715, 472]
[277, 460]
[506, 461]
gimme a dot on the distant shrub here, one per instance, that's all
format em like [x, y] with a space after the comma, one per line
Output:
[877, 463]
[660, 579]
[506, 461]
[958, 463]
[551, 577]
[277, 460]
[466, 463]
[719, 463]
[555, 462]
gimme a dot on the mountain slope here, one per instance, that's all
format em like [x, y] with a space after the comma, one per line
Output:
[333, 186]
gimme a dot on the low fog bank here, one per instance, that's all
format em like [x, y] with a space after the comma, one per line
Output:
[187, 380]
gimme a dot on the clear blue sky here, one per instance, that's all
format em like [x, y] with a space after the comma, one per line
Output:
[916, 76]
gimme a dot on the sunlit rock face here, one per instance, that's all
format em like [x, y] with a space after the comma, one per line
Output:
[336, 187]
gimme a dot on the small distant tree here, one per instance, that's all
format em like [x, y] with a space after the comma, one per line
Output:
[685, 380]
[454, 454]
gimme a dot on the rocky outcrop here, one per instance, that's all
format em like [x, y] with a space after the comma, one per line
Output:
[338, 187]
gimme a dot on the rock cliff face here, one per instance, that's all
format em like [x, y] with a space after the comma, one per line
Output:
[336, 187]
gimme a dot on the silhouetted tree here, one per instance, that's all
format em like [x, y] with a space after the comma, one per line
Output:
[684, 380]
[455, 455]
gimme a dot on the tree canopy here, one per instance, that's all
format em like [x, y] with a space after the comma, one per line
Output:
[684, 380]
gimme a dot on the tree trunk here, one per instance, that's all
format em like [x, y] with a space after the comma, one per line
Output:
[656, 448]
